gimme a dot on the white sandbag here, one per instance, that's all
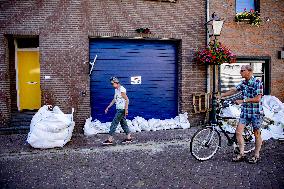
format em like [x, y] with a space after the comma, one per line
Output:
[183, 117]
[151, 123]
[163, 125]
[119, 129]
[185, 125]
[183, 121]
[279, 117]
[141, 123]
[105, 127]
[276, 131]
[89, 127]
[136, 124]
[158, 125]
[131, 127]
[265, 134]
[171, 123]
[50, 129]
[229, 128]
[272, 103]
[269, 114]
[231, 111]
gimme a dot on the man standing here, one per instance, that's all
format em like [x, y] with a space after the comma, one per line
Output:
[251, 111]
[121, 100]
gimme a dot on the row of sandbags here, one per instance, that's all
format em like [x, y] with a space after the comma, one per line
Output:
[50, 128]
[138, 124]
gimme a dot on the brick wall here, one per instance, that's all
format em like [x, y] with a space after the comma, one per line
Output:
[246, 40]
[64, 28]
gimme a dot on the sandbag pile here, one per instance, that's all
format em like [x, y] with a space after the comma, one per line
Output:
[273, 109]
[138, 124]
[49, 129]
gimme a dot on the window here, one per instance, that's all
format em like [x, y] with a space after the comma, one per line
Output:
[241, 5]
[230, 73]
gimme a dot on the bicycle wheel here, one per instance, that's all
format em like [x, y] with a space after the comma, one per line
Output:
[205, 143]
[249, 141]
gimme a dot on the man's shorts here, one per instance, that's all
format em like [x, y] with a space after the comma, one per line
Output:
[256, 122]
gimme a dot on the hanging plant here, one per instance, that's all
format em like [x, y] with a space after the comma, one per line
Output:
[143, 30]
[252, 17]
[214, 54]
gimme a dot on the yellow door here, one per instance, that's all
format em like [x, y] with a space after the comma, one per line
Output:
[29, 94]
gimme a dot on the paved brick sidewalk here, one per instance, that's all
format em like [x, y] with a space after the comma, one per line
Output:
[16, 143]
[151, 162]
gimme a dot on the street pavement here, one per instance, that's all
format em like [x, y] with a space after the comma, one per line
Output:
[158, 159]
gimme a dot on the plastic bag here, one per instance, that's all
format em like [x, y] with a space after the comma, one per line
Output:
[49, 129]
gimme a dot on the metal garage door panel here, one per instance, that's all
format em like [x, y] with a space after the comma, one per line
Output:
[154, 61]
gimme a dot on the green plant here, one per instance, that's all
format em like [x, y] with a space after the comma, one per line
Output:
[252, 16]
[143, 30]
[214, 53]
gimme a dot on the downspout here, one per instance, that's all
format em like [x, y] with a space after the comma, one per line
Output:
[207, 42]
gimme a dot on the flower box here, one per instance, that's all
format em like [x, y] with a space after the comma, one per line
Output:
[252, 17]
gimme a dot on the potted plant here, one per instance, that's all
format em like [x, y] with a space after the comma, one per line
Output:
[252, 17]
[143, 30]
[214, 54]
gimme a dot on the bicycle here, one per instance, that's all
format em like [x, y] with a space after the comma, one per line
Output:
[206, 141]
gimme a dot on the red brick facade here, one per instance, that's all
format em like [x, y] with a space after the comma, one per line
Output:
[64, 28]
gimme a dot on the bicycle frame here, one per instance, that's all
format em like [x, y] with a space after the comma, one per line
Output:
[232, 139]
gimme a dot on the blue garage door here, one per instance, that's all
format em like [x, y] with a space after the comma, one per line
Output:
[154, 61]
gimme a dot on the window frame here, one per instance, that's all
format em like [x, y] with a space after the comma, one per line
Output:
[267, 70]
[256, 6]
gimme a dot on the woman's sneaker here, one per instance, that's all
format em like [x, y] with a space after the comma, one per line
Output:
[107, 142]
[126, 141]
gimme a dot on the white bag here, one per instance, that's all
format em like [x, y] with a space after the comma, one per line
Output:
[231, 111]
[50, 129]
[90, 127]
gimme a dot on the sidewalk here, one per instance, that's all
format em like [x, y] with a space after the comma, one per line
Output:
[16, 143]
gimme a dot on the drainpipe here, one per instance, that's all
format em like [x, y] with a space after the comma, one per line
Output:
[207, 42]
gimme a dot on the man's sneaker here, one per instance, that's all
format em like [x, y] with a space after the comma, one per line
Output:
[127, 141]
[107, 142]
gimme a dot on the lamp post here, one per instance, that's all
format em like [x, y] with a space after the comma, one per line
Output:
[214, 27]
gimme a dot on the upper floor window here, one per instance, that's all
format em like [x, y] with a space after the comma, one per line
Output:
[242, 5]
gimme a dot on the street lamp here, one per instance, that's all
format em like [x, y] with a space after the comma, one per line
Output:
[214, 27]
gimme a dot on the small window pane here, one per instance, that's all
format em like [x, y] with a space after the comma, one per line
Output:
[28, 42]
[244, 4]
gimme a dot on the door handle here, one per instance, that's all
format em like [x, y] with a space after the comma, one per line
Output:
[31, 82]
